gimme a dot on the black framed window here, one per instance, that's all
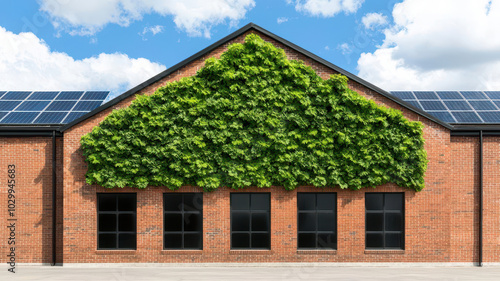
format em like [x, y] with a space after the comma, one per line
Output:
[250, 221]
[183, 221]
[384, 220]
[117, 221]
[317, 220]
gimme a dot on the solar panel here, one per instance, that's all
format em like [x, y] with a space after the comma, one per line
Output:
[74, 115]
[20, 117]
[9, 105]
[61, 106]
[16, 95]
[48, 107]
[444, 115]
[50, 117]
[403, 95]
[32, 106]
[426, 95]
[95, 96]
[490, 116]
[86, 105]
[483, 105]
[70, 95]
[448, 95]
[474, 95]
[432, 105]
[457, 107]
[466, 117]
[43, 96]
[414, 103]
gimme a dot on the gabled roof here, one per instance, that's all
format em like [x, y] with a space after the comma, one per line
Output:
[239, 32]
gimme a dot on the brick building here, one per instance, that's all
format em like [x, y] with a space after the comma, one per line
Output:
[454, 219]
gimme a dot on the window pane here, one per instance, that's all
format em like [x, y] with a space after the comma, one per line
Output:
[393, 240]
[107, 241]
[126, 202]
[173, 241]
[374, 240]
[326, 222]
[192, 222]
[394, 201]
[193, 202]
[374, 201]
[107, 222]
[240, 201]
[327, 240]
[306, 201]
[173, 222]
[107, 202]
[172, 202]
[260, 202]
[260, 222]
[393, 222]
[260, 240]
[240, 240]
[126, 241]
[375, 222]
[192, 241]
[126, 222]
[307, 240]
[326, 201]
[240, 221]
[307, 222]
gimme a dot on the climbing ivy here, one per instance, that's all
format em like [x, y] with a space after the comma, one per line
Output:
[255, 118]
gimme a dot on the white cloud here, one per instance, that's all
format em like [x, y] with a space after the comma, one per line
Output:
[345, 48]
[371, 20]
[151, 29]
[451, 46]
[27, 63]
[196, 17]
[281, 20]
[326, 8]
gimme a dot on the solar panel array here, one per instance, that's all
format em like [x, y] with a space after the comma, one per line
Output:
[464, 107]
[47, 107]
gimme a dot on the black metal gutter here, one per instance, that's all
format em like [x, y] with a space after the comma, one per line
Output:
[54, 185]
[26, 131]
[480, 198]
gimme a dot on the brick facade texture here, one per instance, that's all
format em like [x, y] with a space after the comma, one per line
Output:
[441, 222]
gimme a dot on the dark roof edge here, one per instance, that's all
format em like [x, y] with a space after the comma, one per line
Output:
[230, 37]
[29, 131]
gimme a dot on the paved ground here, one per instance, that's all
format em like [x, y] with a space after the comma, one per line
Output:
[309, 273]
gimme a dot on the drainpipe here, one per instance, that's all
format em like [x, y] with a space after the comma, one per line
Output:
[480, 198]
[54, 198]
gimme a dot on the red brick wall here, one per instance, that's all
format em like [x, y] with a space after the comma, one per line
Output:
[491, 194]
[32, 157]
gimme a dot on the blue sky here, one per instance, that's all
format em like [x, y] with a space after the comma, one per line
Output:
[116, 44]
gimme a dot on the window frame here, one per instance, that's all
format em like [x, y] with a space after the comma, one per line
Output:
[182, 232]
[315, 212]
[250, 212]
[117, 213]
[383, 231]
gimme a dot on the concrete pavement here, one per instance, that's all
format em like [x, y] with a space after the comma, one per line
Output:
[309, 273]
